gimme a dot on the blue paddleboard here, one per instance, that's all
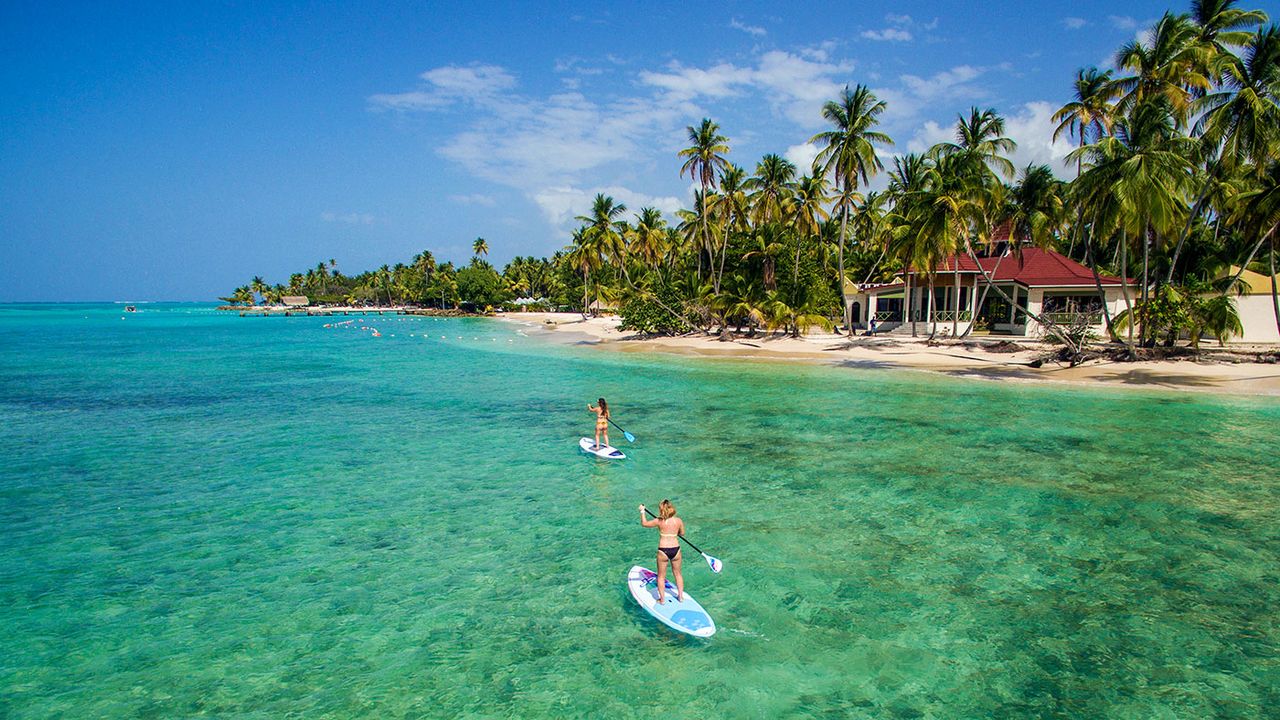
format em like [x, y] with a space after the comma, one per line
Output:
[686, 616]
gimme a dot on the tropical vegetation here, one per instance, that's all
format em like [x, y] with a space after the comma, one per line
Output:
[1176, 166]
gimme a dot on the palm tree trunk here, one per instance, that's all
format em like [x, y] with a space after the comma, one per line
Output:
[584, 292]
[955, 316]
[1000, 291]
[1097, 281]
[795, 269]
[1124, 286]
[844, 299]
[928, 312]
[973, 319]
[1275, 297]
[1146, 290]
[906, 304]
[724, 250]
[1249, 259]
[1186, 232]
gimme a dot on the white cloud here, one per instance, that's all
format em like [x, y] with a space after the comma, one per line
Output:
[802, 156]
[1074, 23]
[748, 29]
[561, 204]
[898, 19]
[347, 218]
[1032, 128]
[474, 199]
[915, 95]
[683, 82]
[794, 86]
[1123, 22]
[447, 85]
[887, 35]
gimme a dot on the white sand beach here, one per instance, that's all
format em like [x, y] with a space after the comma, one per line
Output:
[969, 358]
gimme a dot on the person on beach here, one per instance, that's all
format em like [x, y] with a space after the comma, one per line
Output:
[670, 530]
[602, 421]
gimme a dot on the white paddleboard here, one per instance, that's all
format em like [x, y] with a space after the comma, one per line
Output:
[686, 616]
[608, 452]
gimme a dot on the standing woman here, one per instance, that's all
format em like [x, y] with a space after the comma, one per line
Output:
[602, 421]
[670, 529]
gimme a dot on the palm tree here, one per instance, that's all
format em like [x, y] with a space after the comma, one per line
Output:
[385, 278]
[1239, 124]
[1259, 209]
[730, 207]
[604, 230]
[808, 212]
[704, 162]
[648, 237]
[258, 285]
[480, 247]
[1137, 180]
[1219, 25]
[1090, 116]
[848, 154]
[585, 256]
[767, 247]
[1169, 64]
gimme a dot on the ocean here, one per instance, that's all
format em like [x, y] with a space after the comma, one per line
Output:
[203, 514]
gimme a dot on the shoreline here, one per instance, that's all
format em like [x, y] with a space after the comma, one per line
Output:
[968, 358]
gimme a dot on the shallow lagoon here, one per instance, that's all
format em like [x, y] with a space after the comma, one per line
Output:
[261, 516]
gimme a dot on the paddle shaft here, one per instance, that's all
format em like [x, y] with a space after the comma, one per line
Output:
[624, 432]
[682, 537]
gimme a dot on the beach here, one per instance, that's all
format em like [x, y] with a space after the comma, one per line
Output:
[969, 358]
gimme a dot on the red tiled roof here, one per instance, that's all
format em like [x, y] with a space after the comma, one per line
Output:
[1036, 268]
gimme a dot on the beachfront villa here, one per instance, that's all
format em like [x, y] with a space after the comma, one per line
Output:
[1254, 305]
[1038, 282]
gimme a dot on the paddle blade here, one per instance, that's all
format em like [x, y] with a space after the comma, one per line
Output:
[628, 436]
[716, 565]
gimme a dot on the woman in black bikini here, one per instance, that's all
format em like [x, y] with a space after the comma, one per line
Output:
[670, 529]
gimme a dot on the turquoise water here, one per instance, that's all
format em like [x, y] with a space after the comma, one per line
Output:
[209, 515]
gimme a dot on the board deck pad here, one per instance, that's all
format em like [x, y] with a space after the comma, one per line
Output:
[686, 616]
[608, 452]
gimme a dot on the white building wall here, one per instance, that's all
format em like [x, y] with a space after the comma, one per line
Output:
[1258, 318]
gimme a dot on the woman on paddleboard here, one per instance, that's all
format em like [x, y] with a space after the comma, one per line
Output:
[670, 529]
[602, 421]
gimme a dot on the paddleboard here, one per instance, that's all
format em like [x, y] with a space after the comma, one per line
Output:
[608, 452]
[686, 616]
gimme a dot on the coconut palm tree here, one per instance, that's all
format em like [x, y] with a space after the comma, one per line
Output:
[1137, 180]
[1089, 115]
[1220, 25]
[704, 161]
[648, 237]
[848, 155]
[259, 286]
[480, 247]
[730, 207]
[1168, 64]
[1240, 123]
[808, 212]
[604, 229]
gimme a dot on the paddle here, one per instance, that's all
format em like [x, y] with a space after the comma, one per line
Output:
[625, 434]
[716, 565]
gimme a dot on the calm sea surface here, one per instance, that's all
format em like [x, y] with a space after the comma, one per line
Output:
[207, 515]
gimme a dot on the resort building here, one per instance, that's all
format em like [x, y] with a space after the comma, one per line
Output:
[1037, 282]
[295, 301]
[1254, 305]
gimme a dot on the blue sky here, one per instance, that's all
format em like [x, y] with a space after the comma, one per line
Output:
[174, 151]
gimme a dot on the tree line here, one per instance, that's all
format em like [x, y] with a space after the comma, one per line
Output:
[1177, 163]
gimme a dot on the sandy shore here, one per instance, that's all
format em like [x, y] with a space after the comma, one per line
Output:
[968, 359]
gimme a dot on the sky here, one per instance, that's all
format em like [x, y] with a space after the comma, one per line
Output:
[173, 151]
